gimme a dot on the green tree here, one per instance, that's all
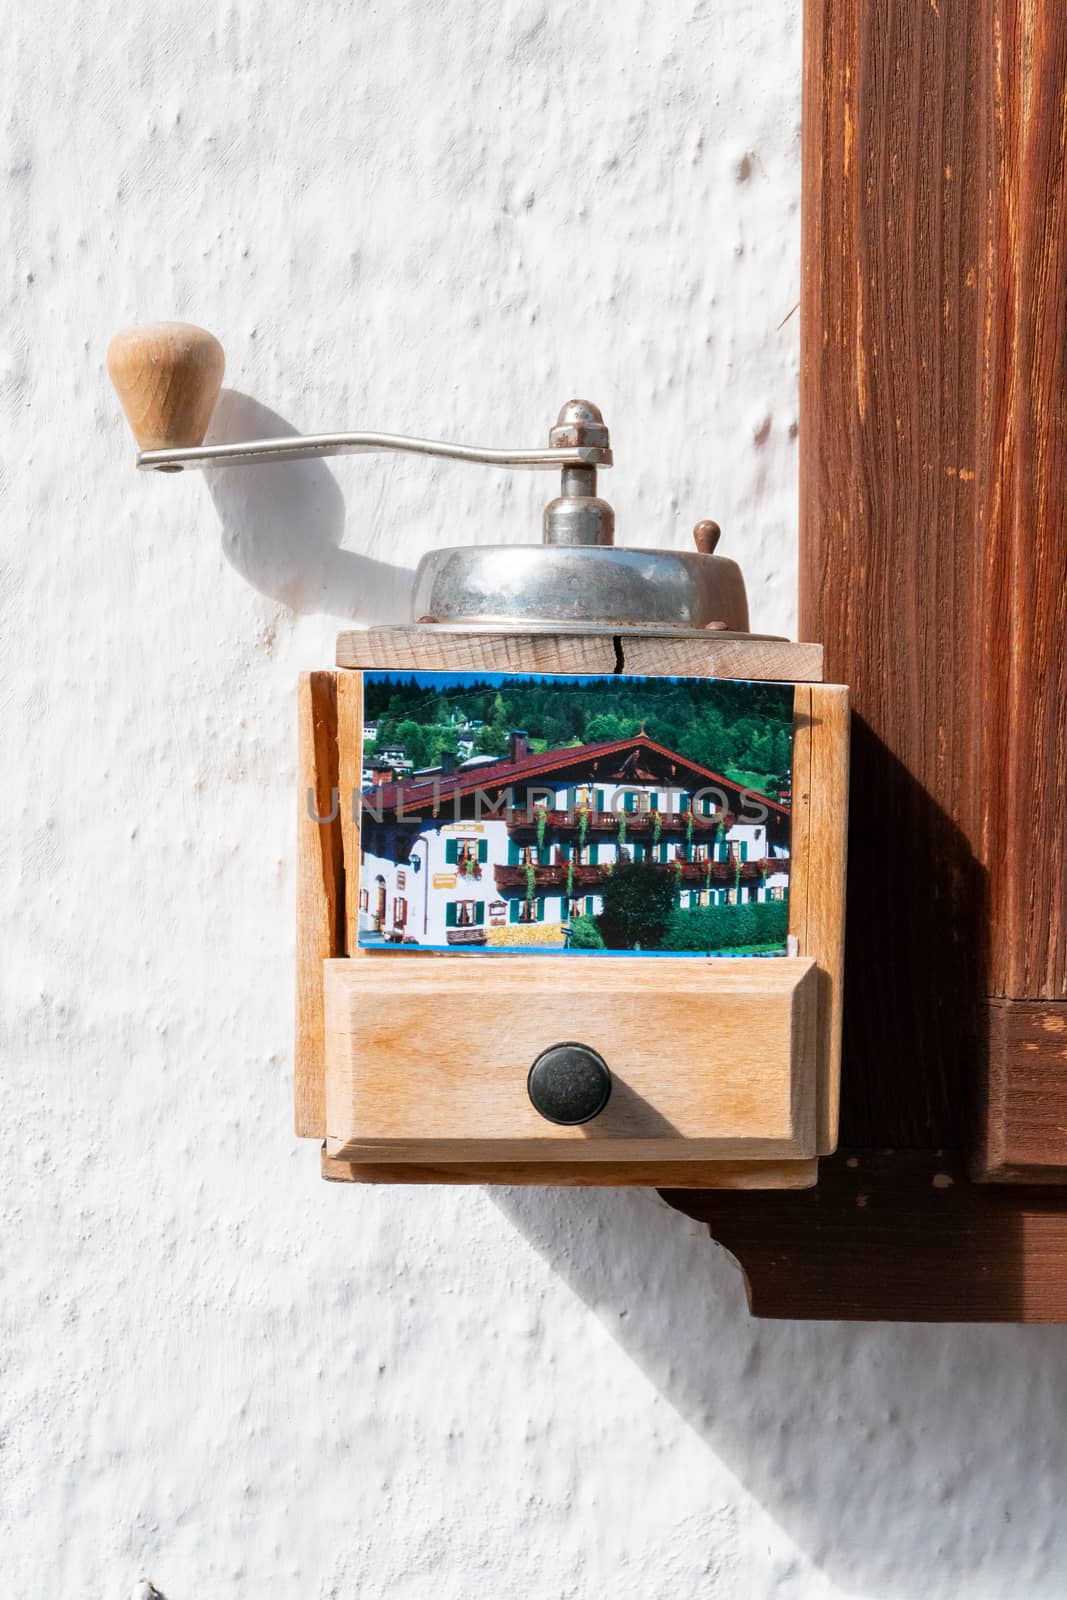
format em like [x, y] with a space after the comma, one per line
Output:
[760, 755]
[490, 741]
[708, 741]
[554, 731]
[501, 712]
[638, 903]
[664, 730]
[413, 740]
[607, 725]
[441, 741]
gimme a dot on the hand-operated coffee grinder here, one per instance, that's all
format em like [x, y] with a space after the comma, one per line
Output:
[449, 1029]
[168, 378]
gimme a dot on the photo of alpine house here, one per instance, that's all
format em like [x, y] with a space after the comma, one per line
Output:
[593, 814]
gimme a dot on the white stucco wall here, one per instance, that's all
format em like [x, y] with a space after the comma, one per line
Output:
[217, 1372]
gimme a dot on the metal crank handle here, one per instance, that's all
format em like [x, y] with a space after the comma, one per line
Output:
[168, 376]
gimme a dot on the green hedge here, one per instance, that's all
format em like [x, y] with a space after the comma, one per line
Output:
[585, 935]
[707, 928]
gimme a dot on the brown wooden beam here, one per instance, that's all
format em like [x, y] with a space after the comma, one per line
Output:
[1023, 1117]
[934, 538]
[1022, 496]
[933, 567]
[899, 1237]
[889, 544]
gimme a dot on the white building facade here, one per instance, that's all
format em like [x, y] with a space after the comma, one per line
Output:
[513, 856]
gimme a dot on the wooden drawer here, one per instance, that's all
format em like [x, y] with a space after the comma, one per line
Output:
[427, 1057]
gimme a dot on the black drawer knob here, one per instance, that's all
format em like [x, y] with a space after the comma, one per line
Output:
[569, 1083]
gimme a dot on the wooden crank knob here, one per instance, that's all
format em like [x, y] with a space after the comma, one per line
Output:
[168, 376]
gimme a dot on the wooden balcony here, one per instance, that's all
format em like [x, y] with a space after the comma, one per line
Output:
[549, 880]
[554, 879]
[724, 872]
[640, 823]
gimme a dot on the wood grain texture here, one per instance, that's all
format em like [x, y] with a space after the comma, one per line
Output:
[890, 549]
[817, 874]
[898, 1236]
[1023, 1137]
[319, 891]
[167, 376]
[933, 560]
[439, 649]
[426, 1060]
[800, 820]
[570, 1174]
[1022, 497]
[934, 535]
[818, 833]
[350, 780]
[826, 931]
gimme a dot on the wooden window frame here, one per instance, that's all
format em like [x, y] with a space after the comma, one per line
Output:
[933, 543]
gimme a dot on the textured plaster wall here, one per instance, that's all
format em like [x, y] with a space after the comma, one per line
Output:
[217, 1372]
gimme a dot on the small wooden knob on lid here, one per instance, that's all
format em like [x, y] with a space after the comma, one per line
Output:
[168, 376]
[706, 536]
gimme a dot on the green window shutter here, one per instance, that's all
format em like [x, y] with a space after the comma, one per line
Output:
[639, 850]
[540, 910]
[744, 849]
[594, 855]
[653, 801]
[513, 853]
[564, 851]
[589, 905]
[450, 914]
[451, 851]
[479, 913]
[483, 849]
[629, 801]
[513, 910]
[600, 800]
